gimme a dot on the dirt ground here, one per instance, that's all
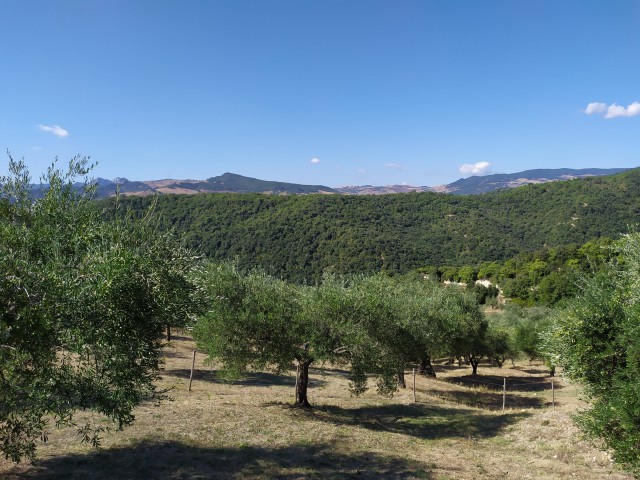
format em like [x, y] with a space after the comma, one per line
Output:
[246, 429]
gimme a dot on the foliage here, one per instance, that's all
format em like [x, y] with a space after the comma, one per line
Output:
[544, 277]
[596, 339]
[374, 324]
[299, 237]
[83, 302]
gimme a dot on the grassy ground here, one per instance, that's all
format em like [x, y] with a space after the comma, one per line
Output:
[246, 429]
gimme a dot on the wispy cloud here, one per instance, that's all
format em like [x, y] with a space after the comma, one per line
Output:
[57, 130]
[361, 171]
[614, 110]
[477, 168]
[395, 166]
[315, 160]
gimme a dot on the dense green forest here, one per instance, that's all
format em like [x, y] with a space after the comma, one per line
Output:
[299, 237]
[546, 276]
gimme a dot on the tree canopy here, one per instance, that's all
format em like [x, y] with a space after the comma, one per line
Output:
[299, 237]
[596, 339]
[82, 305]
[375, 325]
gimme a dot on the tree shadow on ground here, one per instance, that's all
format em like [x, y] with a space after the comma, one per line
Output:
[174, 460]
[254, 379]
[495, 382]
[488, 400]
[489, 395]
[450, 368]
[419, 420]
[183, 338]
[335, 372]
[532, 371]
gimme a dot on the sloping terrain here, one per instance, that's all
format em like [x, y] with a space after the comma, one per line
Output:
[228, 183]
[233, 183]
[501, 181]
[245, 429]
[300, 237]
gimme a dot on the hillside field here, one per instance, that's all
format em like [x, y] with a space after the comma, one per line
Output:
[245, 429]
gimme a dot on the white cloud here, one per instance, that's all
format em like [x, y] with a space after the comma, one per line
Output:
[595, 107]
[477, 168]
[396, 166]
[57, 130]
[361, 171]
[614, 110]
[315, 160]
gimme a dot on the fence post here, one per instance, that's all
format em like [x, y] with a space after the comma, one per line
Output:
[553, 397]
[193, 364]
[414, 385]
[504, 393]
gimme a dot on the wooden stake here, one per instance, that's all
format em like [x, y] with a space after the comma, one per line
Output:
[414, 385]
[504, 393]
[193, 364]
[553, 397]
[295, 392]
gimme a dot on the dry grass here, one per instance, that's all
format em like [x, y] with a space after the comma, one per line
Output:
[246, 429]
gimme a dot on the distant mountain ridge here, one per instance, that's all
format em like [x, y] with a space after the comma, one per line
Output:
[489, 183]
[234, 183]
[225, 183]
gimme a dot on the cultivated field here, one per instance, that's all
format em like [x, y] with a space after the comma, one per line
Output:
[456, 430]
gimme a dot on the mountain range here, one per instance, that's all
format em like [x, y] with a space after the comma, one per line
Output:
[233, 183]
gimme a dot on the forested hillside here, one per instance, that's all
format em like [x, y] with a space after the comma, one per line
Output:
[298, 237]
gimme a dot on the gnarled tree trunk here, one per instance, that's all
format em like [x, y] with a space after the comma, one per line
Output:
[302, 384]
[400, 377]
[425, 367]
[474, 361]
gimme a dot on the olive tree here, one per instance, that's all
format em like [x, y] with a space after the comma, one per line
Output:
[595, 338]
[259, 322]
[83, 303]
[467, 328]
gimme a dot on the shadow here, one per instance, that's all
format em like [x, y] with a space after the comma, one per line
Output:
[324, 371]
[532, 371]
[418, 420]
[254, 379]
[450, 368]
[174, 460]
[495, 382]
[178, 337]
[488, 400]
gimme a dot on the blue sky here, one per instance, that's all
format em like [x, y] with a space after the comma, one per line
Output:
[331, 92]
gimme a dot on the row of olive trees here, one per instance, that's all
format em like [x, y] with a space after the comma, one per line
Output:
[374, 325]
[83, 304]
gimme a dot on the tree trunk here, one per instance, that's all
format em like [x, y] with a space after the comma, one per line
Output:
[474, 361]
[499, 360]
[425, 367]
[401, 382]
[168, 333]
[302, 384]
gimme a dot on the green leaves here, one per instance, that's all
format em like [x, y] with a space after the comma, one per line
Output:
[596, 339]
[374, 324]
[83, 301]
